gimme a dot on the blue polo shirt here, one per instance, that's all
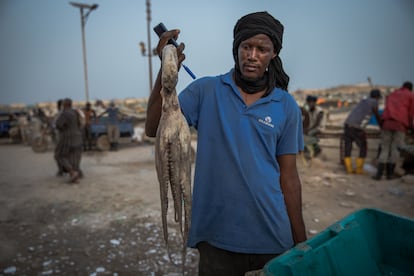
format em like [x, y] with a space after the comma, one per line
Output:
[112, 116]
[238, 204]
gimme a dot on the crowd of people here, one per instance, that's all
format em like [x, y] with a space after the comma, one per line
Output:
[247, 201]
[394, 121]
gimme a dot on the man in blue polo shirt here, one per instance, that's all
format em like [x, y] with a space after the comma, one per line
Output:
[247, 205]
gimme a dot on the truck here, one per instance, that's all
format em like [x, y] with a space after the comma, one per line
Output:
[99, 132]
[9, 124]
[4, 124]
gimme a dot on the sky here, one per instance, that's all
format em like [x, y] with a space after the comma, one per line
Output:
[326, 43]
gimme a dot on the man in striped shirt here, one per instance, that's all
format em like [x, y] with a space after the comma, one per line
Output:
[69, 148]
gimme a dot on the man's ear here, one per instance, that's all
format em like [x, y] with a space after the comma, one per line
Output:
[274, 54]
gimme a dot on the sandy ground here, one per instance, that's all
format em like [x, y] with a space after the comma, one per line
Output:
[109, 223]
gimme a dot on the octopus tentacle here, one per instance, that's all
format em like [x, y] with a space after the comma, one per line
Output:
[162, 170]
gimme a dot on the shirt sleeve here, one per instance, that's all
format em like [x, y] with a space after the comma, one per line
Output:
[291, 140]
[411, 112]
[189, 100]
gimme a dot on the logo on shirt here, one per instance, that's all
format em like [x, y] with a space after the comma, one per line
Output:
[267, 121]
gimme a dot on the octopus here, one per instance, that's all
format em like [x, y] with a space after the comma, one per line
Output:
[173, 152]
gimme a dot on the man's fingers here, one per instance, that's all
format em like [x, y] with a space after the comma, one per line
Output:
[180, 48]
[164, 38]
[181, 58]
[180, 53]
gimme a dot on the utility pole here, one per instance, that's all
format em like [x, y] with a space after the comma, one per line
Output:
[148, 3]
[84, 18]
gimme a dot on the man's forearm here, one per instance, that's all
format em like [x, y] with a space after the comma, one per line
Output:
[154, 108]
[297, 224]
[293, 200]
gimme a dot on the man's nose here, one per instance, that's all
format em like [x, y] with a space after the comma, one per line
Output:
[253, 53]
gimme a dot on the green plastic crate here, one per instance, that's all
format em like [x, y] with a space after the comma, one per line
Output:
[367, 242]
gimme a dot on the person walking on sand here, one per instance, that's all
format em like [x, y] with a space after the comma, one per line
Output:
[69, 147]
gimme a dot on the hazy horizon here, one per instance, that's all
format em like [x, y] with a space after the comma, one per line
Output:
[326, 44]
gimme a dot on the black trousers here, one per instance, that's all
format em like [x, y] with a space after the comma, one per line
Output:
[87, 137]
[357, 135]
[218, 262]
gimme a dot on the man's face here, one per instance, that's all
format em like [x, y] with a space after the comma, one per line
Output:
[312, 105]
[255, 55]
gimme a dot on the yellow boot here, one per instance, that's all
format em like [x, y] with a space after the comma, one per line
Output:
[348, 165]
[360, 166]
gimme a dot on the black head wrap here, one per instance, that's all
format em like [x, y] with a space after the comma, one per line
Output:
[311, 98]
[249, 26]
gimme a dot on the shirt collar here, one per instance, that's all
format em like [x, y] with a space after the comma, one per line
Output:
[276, 95]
